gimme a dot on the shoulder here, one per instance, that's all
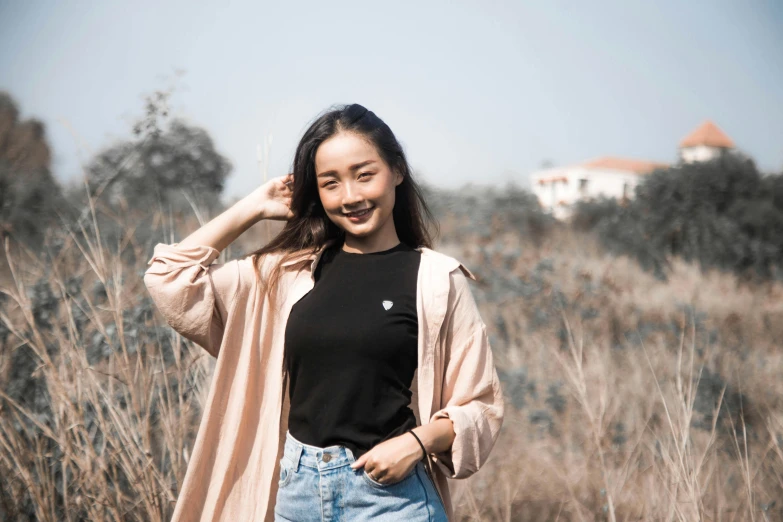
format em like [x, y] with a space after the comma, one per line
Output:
[461, 311]
[448, 263]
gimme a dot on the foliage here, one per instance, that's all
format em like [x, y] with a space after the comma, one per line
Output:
[487, 211]
[628, 398]
[720, 214]
[589, 212]
[99, 402]
[174, 167]
[29, 195]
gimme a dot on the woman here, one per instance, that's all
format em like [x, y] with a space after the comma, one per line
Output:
[349, 353]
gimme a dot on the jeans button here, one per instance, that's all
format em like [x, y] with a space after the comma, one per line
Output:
[327, 457]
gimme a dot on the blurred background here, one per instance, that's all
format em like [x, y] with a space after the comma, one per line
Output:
[612, 172]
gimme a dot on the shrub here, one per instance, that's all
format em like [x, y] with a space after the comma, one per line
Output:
[720, 214]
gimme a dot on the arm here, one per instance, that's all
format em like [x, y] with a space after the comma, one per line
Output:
[436, 436]
[225, 228]
[192, 294]
[471, 395]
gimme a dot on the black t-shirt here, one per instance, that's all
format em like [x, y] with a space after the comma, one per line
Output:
[351, 347]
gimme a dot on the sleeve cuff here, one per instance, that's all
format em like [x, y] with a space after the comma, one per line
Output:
[452, 462]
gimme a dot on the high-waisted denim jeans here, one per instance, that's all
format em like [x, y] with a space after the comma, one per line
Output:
[318, 484]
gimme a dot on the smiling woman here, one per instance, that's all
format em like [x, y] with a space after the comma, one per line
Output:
[353, 364]
[357, 191]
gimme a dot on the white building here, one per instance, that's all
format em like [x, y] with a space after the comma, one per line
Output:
[559, 188]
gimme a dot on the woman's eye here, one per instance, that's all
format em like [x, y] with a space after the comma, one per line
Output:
[330, 184]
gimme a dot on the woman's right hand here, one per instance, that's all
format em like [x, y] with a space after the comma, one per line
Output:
[274, 198]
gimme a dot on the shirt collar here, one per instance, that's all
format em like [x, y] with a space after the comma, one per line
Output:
[310, 255]
[314, 256]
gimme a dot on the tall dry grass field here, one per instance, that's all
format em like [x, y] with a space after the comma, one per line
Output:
[628, 398]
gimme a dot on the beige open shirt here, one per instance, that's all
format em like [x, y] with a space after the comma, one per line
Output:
[232, 472]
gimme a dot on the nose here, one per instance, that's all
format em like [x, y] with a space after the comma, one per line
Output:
[351, 196]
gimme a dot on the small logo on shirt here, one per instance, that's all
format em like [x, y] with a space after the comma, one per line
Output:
[387, 304]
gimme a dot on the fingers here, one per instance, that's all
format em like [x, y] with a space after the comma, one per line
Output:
[360, 461]
[374, 470]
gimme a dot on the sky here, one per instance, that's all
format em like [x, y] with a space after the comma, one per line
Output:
[477, 92]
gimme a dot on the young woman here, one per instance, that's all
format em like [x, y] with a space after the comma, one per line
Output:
[349, 353]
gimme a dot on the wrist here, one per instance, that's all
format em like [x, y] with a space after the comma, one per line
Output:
[418, 444]
[251, 210]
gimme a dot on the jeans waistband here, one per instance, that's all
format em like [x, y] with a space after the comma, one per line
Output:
[315, 457]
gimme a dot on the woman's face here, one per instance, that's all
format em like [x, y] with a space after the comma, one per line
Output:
[352, 177]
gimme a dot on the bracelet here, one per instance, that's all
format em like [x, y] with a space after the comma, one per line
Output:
[423, 449]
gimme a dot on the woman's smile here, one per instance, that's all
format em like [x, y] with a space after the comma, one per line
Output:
[362, 215]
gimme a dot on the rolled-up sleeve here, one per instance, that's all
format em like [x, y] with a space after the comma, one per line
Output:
[471, 394]
[191, 293]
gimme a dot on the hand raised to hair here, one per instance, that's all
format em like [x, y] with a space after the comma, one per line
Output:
[274, 198]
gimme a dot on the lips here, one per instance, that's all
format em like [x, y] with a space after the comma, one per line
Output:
[360, 216]
[359, 213]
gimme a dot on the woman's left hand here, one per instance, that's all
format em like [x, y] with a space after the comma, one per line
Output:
[391, 460]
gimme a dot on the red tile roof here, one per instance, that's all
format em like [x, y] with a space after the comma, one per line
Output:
[630, 165]
[552, 179]
[707, 134]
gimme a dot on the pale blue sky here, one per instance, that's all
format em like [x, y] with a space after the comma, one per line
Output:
[476, 91]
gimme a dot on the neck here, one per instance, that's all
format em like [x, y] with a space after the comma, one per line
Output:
[384, 239]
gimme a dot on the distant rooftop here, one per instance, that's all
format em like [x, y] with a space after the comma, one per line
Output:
[626, 164]
[707, 134]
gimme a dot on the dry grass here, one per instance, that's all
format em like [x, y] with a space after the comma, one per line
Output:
[106, 439]
[628, 398]
[671, 404]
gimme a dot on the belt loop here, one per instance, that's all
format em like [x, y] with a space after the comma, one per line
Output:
[348, 452]
[297, 456]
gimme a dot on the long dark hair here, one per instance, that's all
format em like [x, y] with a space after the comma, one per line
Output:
[311, 228]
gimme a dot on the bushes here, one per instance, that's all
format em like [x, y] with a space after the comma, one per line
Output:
[29, 194]
[721, 214]
[488, 211]
[677, 384]
[99, 401]
[175, 166]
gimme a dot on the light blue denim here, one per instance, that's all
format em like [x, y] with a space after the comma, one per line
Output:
[313, 488]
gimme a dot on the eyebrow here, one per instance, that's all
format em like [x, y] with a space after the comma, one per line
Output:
[352, 167]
